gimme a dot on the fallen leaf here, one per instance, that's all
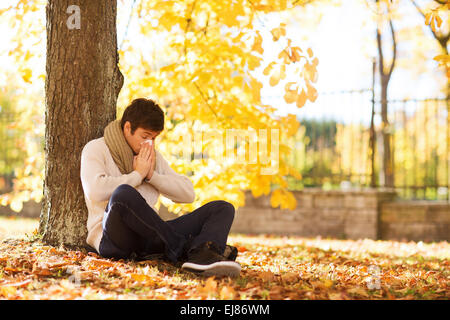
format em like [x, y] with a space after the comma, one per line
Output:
[328, 283]
[7, 291]
[99, 263]
[39, 270]
[85, 275]
[20, 284]
[358, 291]
[227, 293]
[335, 296]
[142, 278]
[290, 277]
[209, 288]
[58, 264]
[15, 270]
[276, 293]
[266, 276]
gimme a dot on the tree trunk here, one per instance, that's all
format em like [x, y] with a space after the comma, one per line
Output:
[386, 134]
[388, 159]
[372, 138]
[81, 88]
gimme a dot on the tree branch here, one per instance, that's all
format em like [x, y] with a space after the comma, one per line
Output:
[189, 20]
[204, 99]
[441, 39]
[303, 3]
[394, 48]
[380, 51]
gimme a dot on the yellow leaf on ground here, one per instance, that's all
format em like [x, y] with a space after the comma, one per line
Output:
[328, 283]
[290, 277]
[209, 288]
[358, 291]
[227, 293]
[100, 263]
[266, 276]
[335, 296]
[7, 291]
[142, 278]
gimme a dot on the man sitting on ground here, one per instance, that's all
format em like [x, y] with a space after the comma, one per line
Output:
[123, 174]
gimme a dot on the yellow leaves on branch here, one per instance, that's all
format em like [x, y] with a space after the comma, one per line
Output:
[299, 95]
[26, 75]
[277, 72]
[27, 184]
[444, 60]
[291, 55]
[283, 199]
[257, 44]
[290, 125]
[433, 20]
[277, 33]
[292, 95]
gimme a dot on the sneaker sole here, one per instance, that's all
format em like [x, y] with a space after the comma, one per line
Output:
[221, 268]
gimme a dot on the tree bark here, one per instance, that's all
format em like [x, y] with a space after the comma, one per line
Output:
[81, 89]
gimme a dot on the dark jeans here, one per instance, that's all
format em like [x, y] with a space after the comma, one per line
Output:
[130, 226]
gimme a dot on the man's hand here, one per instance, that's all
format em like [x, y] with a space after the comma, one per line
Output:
[153, 162]
[142, 162]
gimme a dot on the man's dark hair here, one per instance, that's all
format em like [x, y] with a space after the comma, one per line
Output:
[143, 113]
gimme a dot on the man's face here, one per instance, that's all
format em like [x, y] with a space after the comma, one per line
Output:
[139, 136]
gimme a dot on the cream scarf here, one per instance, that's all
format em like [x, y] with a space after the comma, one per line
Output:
[120, 151]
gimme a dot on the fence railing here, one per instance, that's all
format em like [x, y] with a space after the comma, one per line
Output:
[10, 155]
[332, 148]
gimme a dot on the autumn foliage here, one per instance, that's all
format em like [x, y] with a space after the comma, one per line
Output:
[203, 74]
[275, 268]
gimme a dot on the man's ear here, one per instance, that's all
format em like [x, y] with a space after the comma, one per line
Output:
[127, 127]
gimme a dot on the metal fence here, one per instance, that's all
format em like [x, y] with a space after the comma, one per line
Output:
[334, 146]
[10, 155]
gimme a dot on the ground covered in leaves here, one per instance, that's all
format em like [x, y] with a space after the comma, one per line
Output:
[273, 267]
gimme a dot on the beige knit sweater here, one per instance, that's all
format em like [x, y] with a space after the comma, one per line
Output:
[100, 176]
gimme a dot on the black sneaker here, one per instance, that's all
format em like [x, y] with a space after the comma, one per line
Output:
[230, 253]
[207, 261]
